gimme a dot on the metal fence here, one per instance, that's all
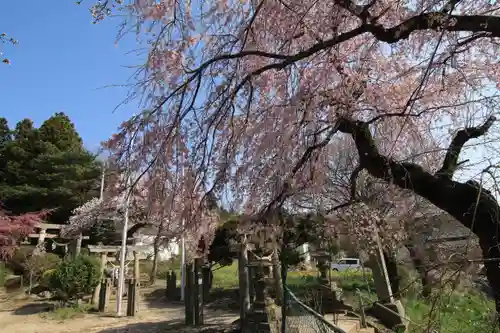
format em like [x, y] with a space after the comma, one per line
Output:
[300, 318]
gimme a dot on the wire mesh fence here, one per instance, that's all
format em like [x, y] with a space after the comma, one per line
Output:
[300, 318]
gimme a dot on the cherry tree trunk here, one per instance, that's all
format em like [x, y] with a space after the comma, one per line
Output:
[473, 206]
[154, 268]
[421, 269]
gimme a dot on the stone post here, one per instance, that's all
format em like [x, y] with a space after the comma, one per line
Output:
[259, 316]
[78, 245]
[41, 236]
[137, 278]
[95, 294]
[306, 255]
[389, 311]
[322, 258]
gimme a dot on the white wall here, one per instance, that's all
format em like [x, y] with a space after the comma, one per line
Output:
[166, 252]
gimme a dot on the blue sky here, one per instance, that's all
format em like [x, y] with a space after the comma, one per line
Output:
[61, 63]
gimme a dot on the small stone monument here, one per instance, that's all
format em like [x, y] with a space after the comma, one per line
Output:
[388, 310]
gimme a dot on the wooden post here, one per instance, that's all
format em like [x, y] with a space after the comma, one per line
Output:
[97, 290]
[206, 270]
[174, 286]
[171, 290]
[168, 285]
[244, 283]
[132, 299]
[198, 292]
[188, 296]
[104, 295]
[251, 284]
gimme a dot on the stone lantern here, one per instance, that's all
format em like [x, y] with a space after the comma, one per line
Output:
[322, 258]
[260, 269]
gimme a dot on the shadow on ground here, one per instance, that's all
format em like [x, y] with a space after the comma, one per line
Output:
[220, 299]
[33, 308]
[171, 326]
[156, 299]
[224, 299]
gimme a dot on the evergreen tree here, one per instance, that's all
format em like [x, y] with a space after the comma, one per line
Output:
[24, 129]
[61, 132]
[47, 168]
[5, 133]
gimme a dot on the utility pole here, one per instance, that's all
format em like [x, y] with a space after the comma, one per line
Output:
[183, 264]
[121, 277]
[101, 194]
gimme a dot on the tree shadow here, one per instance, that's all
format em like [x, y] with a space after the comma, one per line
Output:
[33, 308]
[220, 299]
[156, 299]
[224, 299]
[177, 326]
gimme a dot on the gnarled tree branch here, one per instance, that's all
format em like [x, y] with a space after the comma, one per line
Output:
[450, 163]
[470, 204]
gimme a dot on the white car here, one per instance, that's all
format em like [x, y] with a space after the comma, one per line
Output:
[346, 264]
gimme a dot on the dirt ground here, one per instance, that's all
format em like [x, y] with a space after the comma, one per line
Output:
[20, 315]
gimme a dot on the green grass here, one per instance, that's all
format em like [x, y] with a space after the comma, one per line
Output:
[227, 277]
[447, 313]
[68, 312]
[163, 268]
[452, 313]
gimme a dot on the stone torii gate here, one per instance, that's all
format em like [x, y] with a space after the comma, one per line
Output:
[42, 235]
[106, 250]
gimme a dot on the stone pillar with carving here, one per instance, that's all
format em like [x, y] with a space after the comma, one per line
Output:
[258, 318]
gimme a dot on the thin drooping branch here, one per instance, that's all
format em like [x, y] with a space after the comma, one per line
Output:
[352, 190]
[285, 190]
[450, 163]
[488, 26]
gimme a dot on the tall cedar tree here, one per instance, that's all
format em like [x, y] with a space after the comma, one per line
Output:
[46, 168]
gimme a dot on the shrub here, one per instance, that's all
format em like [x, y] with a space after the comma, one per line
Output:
[18, 260]
[46, 276]
[4, 272]
[38, 264]
[71, 280]
[70, 312]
